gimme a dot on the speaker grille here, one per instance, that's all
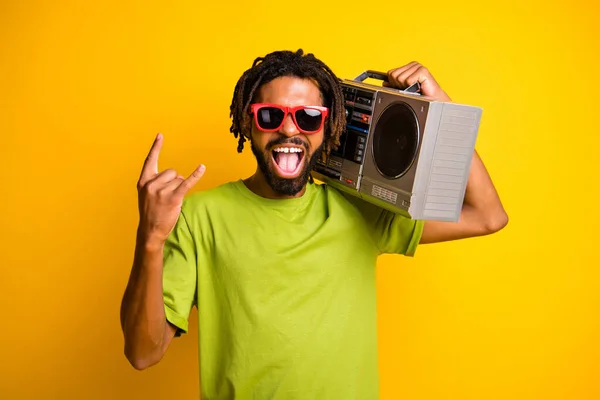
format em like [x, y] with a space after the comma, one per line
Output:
[395, 140]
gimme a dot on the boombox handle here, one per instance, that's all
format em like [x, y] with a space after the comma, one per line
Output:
[414, 88]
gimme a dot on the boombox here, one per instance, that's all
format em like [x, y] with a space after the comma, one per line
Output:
[402, 151]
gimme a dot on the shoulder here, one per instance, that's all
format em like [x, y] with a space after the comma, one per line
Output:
[206, 199]
[201, 211]
[331, 193]
[351, 201]
[331, 196]
[351, 206]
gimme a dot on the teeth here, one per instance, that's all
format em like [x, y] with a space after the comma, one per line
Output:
[288, 150]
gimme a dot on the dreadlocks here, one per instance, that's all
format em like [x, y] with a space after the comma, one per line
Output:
[287, 63]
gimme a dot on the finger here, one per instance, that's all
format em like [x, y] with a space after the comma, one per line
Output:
[402, 68]
[402, 77]
[394, 73]
[191, 180]
[172, 185]
[420, 75]
[410, 72]
[429, 86]
[164, 177]
[150, 168]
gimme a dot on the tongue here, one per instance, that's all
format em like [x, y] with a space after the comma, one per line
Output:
[287, 161]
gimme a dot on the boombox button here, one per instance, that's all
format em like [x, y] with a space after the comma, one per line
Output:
[358, 158]
[359, 152]
[361, 139]
[361, 146]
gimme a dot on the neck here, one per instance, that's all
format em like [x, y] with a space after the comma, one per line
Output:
[258, 184]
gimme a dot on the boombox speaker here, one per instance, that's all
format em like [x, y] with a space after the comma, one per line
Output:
[402, 151]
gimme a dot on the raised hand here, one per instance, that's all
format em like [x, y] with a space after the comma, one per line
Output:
[410, 73]
[160, 196]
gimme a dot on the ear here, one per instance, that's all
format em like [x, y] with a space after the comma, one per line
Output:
[247, 121]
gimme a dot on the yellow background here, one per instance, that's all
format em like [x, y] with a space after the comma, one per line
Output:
[85, 86]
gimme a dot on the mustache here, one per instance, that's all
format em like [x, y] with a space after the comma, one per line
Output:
[283, 140]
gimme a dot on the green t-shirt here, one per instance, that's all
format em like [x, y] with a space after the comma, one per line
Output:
[285, 290]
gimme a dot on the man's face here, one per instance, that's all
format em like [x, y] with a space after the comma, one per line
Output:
[287, 156]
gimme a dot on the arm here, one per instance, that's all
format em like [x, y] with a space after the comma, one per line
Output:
[144, 323]
[145, 328]
[482, 212]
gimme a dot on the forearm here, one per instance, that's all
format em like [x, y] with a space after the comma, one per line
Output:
[481, 198]
[482, 212]
[143, 317]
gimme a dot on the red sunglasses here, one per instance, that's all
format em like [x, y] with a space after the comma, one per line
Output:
[270, 117]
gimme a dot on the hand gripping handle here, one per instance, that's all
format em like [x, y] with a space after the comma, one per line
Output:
[414, 88]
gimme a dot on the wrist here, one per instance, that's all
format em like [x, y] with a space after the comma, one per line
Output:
[150, 242]
[443, 96]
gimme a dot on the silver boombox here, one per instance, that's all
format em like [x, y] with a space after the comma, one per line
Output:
[403, 151]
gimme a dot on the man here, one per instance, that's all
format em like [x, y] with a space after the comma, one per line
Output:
[282, 270]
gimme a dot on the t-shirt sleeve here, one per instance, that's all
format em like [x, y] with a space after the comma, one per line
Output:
[392, 233]
[179, 275]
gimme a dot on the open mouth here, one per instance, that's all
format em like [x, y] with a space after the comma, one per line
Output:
[288, 160]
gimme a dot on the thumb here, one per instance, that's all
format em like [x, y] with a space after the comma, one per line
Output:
[430, 88]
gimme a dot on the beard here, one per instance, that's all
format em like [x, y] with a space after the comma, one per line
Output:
[284, 186]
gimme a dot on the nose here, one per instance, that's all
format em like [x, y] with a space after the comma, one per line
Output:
[289, 127]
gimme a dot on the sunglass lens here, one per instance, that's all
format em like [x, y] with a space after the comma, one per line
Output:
[269, 117]
[309, 119]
